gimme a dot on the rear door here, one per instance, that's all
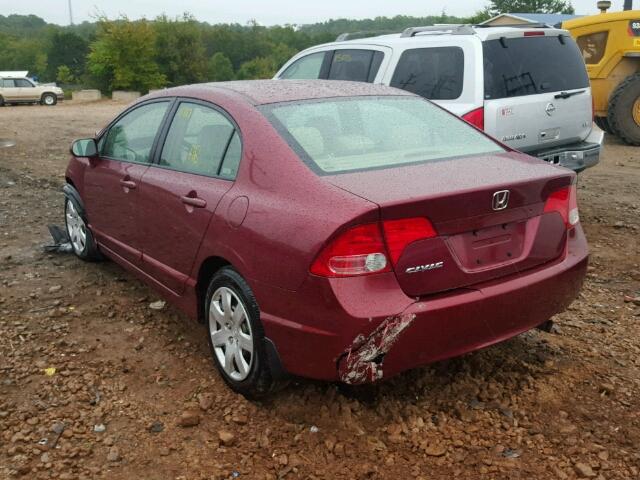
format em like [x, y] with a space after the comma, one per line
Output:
[9, 90]
[536, 90]
[180, 191]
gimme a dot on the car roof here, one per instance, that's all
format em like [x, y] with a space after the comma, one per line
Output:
[261, 92]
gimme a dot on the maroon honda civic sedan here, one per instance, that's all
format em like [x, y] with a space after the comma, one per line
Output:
[332, 230]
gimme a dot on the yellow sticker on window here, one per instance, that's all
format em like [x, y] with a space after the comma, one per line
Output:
[185, 112]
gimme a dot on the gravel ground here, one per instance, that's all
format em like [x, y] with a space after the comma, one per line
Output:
[96, 384]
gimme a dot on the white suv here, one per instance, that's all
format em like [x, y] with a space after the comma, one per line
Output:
[527, 87]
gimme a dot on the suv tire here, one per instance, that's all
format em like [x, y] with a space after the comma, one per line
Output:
[1, 101]
[603, 124]
[48, 99]
[230, 333]
[621, 118]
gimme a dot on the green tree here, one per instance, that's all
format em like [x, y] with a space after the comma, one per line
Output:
[180, 55]
[64, 75]
[220, 68]
[123, 56]
[23, 54]
[261, 67]
[531, 6]
[66, 49]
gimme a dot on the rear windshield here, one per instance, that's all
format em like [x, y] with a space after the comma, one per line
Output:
[529, 65]
[363, 133]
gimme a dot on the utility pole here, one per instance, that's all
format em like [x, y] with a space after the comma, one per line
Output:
[70, 14]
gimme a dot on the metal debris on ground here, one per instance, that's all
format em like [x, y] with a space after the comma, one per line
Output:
[61, 242]
[159, 305]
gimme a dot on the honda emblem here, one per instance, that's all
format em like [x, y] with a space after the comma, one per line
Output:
[500, 200]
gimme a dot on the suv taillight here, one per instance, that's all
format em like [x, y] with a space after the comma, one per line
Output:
[565, 202]
[475, 117]
[370, 248]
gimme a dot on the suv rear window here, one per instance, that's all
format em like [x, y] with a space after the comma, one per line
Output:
[529, 65]
[434, 73]
[363, 133]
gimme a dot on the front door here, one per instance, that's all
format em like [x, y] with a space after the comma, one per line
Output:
[26, 90]
[112, 180]
[180, 192]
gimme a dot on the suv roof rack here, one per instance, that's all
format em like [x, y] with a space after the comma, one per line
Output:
[518, 25]
[458, 29]
[343, 37]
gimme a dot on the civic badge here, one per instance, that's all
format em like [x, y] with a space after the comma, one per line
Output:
[500, 200]
[550, 109]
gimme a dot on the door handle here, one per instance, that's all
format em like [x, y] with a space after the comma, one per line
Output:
[128, 184]
[194, 201]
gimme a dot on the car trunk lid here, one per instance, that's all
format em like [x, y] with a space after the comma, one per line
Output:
[474, 242]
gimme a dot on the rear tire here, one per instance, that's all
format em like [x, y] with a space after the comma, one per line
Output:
[1, 101]
[236, 336]
[603, 124]
[49, 99]
[624, 110]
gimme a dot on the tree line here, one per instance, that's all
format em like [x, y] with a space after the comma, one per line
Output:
[120, 54]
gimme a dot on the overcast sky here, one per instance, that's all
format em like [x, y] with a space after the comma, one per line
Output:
[266, 12]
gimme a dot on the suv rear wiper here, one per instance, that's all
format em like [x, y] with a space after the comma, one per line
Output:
[568, 94]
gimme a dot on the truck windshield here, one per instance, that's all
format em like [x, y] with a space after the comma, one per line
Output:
[520, 66]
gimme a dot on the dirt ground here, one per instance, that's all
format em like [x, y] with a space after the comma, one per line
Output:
[541, 406]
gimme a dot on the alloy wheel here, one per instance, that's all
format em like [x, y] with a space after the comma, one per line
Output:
[231, 334]
[76, 228]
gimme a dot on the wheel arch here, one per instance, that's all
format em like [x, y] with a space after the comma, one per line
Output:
[71, 192]
[207, 269]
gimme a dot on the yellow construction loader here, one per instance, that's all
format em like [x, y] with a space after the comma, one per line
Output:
[610, 45]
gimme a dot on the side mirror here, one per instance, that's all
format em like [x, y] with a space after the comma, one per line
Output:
[85, 147]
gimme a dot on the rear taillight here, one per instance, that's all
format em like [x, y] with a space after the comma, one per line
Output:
[534, 33]
[370, 248]
[400, 233]
[475, 117]
[565, 202]
[358, 251]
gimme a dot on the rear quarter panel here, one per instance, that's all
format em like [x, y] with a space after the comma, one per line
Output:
[289, 211]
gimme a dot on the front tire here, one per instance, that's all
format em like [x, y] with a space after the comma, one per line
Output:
[624, 110]
[49, 99]
[236, 336]
[80, 236]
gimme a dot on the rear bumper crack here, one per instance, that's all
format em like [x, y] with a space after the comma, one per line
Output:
[363, 360]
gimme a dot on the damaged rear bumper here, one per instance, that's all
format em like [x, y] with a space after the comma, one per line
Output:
[347, 337]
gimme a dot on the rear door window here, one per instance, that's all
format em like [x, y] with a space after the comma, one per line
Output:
[435, 73]
[8, 83]
[531, 65]
[305, 68]
[355, 65]
[198, 140]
